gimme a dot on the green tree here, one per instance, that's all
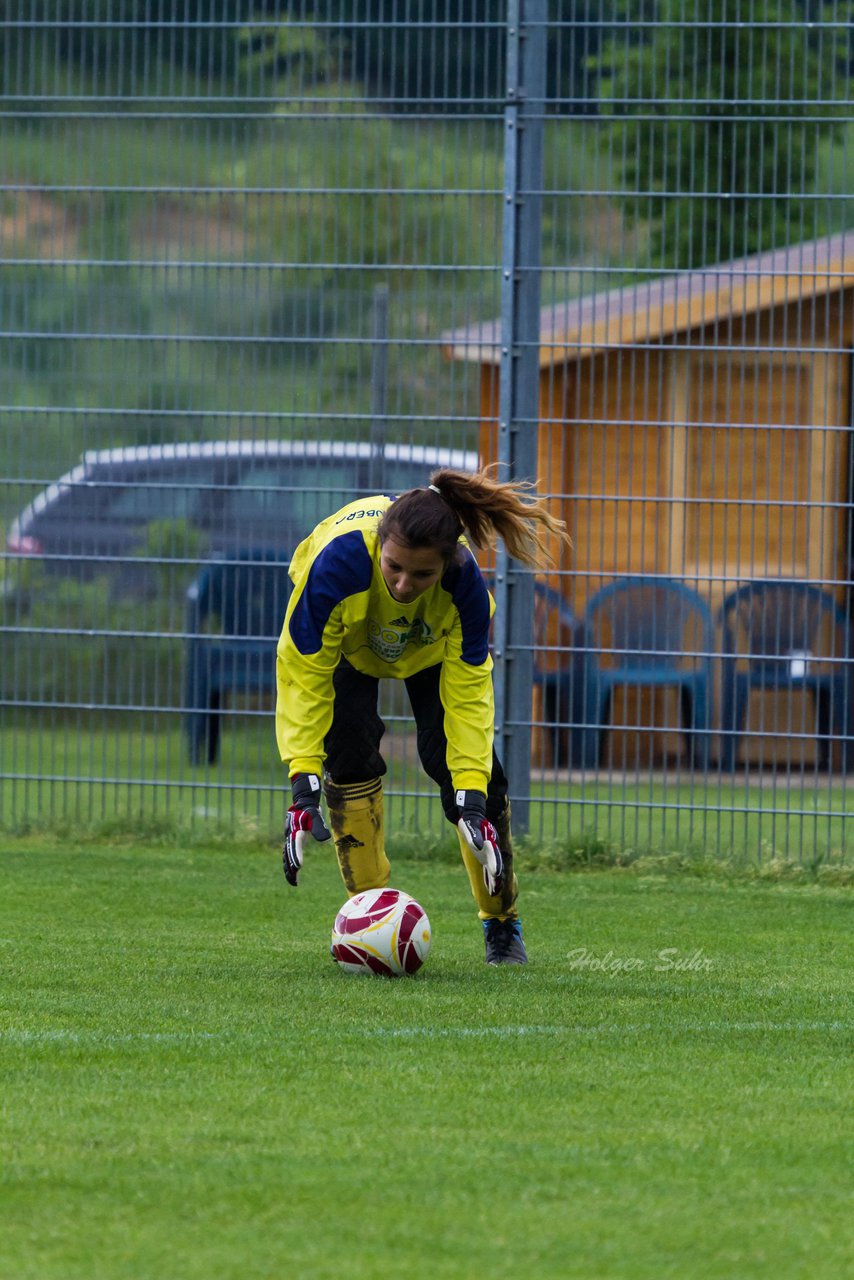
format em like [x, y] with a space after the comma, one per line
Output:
[715, 113]
[451, 55]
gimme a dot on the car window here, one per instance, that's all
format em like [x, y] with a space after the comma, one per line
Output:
[173, 493]
[298, 493]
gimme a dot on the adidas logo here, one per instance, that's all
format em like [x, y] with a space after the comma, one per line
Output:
[399, 622]
[349, 842]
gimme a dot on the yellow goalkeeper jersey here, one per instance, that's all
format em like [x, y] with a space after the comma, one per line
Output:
[341, 607]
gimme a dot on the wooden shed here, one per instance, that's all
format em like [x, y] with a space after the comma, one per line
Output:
[697, 424]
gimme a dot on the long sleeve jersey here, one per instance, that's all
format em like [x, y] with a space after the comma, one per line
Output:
[341, 607]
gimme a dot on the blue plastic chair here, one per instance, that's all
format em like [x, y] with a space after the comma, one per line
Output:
[648, 632]
[235, 612]
[559, 674]
[786, 636]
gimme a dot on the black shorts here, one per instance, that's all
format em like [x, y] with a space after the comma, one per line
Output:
[352, 745]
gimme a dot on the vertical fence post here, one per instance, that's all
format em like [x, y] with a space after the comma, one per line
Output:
[518, 399]
[379, 386]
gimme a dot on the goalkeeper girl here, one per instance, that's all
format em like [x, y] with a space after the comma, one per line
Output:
[390, 588]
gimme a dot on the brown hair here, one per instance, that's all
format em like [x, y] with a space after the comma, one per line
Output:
[479, 505]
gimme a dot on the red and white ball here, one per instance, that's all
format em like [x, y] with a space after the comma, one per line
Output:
[381, 931]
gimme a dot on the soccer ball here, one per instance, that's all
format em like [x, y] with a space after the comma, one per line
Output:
[382, 931]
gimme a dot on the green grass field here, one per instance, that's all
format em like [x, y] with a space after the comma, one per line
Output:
[192, 1090]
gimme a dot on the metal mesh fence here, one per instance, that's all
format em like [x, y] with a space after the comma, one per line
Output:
[260, 259]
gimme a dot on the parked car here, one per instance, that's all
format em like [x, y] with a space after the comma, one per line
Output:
[235, 494]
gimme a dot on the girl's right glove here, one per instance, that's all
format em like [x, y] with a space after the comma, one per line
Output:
[481, 837]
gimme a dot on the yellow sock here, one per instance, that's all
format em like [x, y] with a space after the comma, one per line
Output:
[356, 819]
[500, 905]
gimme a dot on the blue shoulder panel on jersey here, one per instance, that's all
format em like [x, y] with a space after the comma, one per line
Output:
[343, 568]
[467, 589]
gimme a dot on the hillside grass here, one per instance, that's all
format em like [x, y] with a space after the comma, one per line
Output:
[228, 267]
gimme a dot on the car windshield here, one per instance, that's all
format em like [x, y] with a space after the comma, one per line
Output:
[294, 495]
[399, 476]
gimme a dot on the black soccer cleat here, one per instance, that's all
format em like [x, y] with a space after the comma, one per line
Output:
[504, 943]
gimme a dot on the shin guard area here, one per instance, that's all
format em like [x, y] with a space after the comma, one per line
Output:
[356, 819]
[502, 904]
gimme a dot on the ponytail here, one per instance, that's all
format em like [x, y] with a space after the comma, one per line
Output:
[479, 505]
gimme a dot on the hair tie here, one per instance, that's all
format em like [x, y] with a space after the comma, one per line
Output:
[435, 489]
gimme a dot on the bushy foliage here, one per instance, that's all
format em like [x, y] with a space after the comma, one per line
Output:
[113, 640]
[452, 59]
[118, 42]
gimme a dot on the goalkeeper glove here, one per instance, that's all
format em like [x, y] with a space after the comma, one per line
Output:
[302, 820]
[481, 837]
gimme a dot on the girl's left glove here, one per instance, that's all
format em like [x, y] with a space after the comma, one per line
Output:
[303, 820]
[481, 837]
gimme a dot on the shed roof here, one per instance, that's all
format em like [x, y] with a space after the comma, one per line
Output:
[662, 306]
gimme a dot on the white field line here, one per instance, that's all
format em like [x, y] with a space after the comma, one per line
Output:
[16, 1036]
[609, 1028]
